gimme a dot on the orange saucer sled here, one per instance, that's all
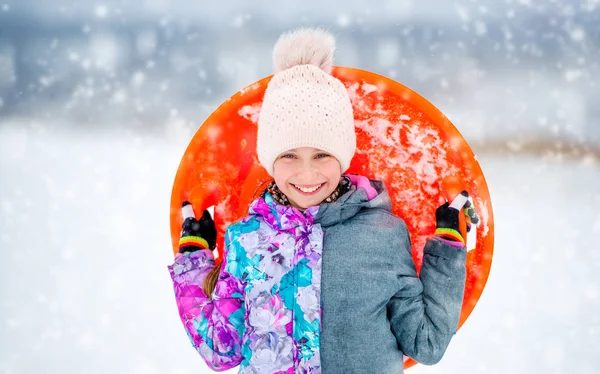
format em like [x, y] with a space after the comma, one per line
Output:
[402, 139]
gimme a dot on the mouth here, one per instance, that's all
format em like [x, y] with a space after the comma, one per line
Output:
[308, 190]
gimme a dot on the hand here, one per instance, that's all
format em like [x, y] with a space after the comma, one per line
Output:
[450, 224]
[196, 234]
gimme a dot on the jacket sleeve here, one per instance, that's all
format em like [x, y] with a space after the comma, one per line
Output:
[424, 313]
[215, 327]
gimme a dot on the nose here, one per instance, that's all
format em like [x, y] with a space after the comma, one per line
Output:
[307, 170]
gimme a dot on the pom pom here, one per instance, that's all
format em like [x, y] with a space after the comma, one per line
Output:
[304, 47]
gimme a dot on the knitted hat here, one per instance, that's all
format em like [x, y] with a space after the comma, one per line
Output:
[304, 106]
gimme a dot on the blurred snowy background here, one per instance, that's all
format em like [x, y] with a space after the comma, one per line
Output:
[98, 100]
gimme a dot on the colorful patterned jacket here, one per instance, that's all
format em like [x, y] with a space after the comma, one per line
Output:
[333, 290]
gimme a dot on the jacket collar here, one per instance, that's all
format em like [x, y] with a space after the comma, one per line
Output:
[286, 218]
[352, 202]
[282, 217]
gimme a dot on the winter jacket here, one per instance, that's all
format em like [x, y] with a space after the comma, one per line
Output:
[332, 289]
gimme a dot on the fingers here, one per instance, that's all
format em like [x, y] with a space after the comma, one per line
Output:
[471, 213]
[463, 226]
[206, 215]
[186, 210]
[188, 225]
[460, 200]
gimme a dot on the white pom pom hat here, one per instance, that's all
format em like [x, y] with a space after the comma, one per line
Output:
[304, 105]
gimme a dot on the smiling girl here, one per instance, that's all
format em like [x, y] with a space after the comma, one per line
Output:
[319, 276]
[305, 177]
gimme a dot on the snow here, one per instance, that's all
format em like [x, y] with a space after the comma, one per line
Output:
[85, 245]
[106, 51]
[98, 102]
[101, 11]
[250, 112]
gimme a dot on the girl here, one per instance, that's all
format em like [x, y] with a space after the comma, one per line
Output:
[319, 276]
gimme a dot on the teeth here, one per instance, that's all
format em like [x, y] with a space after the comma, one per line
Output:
[308, 190]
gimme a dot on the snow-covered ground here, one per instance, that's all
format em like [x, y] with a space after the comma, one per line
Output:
[84, 246]
[98, 101]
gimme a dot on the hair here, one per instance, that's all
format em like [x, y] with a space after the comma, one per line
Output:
[210, 282]
[211, 279]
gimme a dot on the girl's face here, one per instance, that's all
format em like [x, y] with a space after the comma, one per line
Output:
[306, 176]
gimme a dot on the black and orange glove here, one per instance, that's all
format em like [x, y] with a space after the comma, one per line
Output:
[449, 222]
[196, 234]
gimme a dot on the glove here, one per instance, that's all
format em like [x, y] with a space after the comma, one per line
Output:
[196, 234]
[448, 221]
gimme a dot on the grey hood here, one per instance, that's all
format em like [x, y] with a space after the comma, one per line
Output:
[352, 202]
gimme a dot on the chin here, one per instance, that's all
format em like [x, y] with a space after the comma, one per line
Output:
[303, 202]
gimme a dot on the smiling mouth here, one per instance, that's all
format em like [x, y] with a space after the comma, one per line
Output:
[308, 190]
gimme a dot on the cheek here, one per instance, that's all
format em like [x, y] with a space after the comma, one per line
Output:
[281, 172]
[333, 173]
[332, 170]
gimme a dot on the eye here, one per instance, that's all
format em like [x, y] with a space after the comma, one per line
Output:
[287, 155]
[322, 155]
